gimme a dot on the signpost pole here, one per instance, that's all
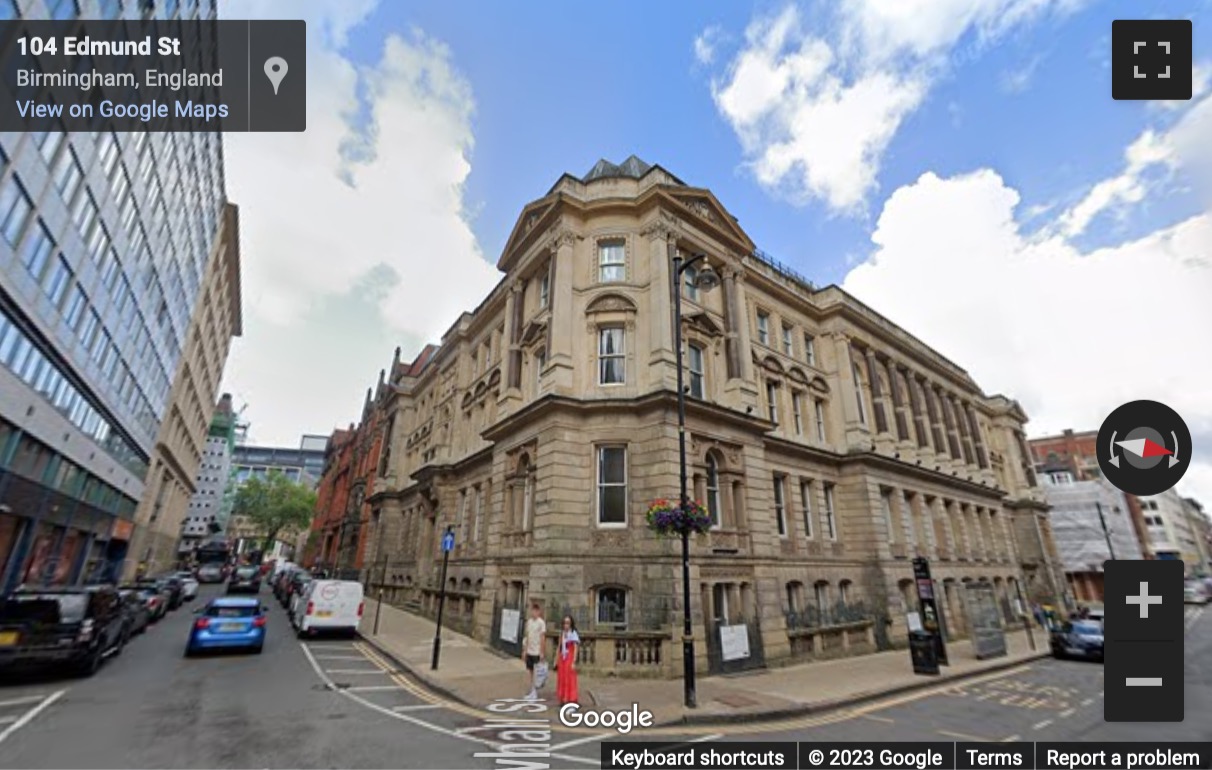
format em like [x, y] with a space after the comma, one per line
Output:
[447, 547]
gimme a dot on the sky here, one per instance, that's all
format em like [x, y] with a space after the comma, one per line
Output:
[959, 165]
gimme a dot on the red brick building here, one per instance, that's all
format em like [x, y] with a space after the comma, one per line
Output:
[340, 528]
[1076, 454]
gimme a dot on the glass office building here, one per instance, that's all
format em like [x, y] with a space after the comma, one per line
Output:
[104, 240]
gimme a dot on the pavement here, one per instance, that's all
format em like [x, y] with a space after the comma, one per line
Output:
[343, 702]
[472, 674]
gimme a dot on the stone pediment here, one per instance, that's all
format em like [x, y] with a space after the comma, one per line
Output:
[611, 303]
[703, 323]
[533, 216]
[703, 205]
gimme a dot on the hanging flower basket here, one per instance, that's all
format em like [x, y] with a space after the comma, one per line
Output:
[667, 518]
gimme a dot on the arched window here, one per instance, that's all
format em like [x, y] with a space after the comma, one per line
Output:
[611, 606]
[843, 592]
[713, 490]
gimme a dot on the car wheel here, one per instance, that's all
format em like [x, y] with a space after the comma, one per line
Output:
[123, 638]
[257, 650]
[91, 664]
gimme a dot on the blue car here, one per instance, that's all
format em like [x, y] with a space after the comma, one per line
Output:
[1078, 639]
[228, 622]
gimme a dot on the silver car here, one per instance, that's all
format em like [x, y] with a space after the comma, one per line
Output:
[189, 586]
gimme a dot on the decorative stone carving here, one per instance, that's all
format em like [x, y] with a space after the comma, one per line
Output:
[610, 538]
[561, 235]
[611, 303]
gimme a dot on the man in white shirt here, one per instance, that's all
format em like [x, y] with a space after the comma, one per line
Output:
[534, 645]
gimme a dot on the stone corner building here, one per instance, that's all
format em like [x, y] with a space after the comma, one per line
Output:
[830, 446]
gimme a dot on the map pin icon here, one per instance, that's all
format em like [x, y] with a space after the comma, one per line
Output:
[275, 70]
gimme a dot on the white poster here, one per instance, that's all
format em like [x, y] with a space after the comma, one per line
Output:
[734, 642]
[510, 619]
[915, 621]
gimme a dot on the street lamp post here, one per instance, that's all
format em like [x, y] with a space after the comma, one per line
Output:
[705, 279]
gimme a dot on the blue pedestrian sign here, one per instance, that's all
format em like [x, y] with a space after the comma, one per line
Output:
[448, 542]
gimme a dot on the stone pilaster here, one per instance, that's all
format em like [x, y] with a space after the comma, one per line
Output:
[856, 432]
[877, 392]
[560, 356]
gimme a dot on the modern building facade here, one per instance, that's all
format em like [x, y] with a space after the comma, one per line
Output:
[210, 504]
[1174, 533]
[1074, 453]
[830, 446]
[104, 246]
[302, 464]
[1090, 524]
[180, 462]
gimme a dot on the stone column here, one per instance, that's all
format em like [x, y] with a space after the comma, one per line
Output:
[513, 354]
[738, 323]
[961, 422]
[959, 528]
[939, 513]
[916, 407]
[661, 242]
[982, 459]
[560, 354]
[936, 419]
[877, 393]
[944, 402]
[908, 524]
[849, 395]
[980, 551]
[898, 402]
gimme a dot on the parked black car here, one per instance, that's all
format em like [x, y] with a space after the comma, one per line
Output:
[138, 609]
[295, 584]
[246, 579]
[1078, 639]
[176, 590]
[73, 627]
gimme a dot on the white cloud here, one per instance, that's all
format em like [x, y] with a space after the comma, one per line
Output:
[1070, 334]
[1185, 145]
[376, 180]
[815, 113]
[705, 45]
[1017, 81]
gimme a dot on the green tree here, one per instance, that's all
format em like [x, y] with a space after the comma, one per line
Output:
[273, 504]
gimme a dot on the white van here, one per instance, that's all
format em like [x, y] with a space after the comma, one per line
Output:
[329, 605]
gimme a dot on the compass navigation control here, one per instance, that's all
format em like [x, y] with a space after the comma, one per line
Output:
[1144, 447]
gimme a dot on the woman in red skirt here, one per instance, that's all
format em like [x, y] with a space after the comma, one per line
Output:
[566, 662]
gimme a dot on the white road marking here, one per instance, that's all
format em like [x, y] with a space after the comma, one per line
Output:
[579, 741]
[1087, 701]
[415, 707]
[28, 716]
[1041, 725]
[874, 718]
[340, 657]
[403, 717]
[703, 738]
[20, 701]
[1010, 739]
[1066, 713]
[963, 736]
